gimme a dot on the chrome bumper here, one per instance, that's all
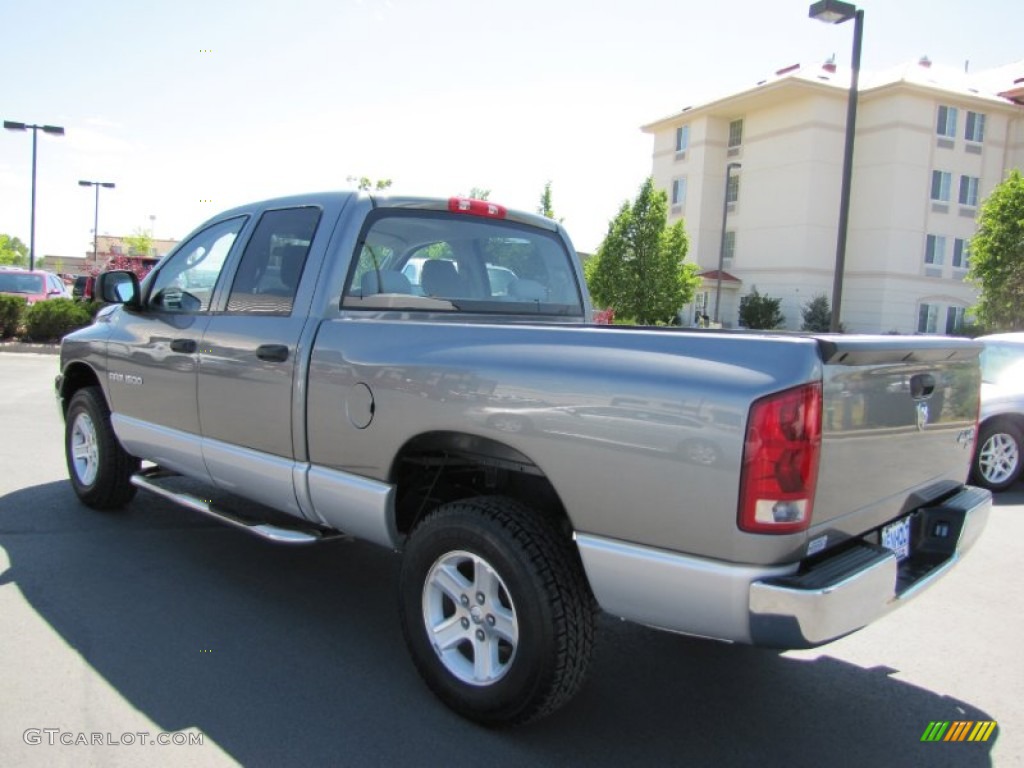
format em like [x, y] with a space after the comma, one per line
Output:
[800, 605]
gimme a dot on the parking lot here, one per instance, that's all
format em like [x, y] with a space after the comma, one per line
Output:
[153, 620]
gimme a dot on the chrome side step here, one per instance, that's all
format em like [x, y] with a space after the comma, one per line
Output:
[277, 534]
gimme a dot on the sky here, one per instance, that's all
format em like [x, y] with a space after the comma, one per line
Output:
[191, 107]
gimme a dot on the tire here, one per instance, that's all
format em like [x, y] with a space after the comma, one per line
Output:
[496, 611]
[99, 468]
[997, 456]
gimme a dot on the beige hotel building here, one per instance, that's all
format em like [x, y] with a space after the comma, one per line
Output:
[931, 143]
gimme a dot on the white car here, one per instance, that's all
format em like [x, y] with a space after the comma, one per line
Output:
[997, 452]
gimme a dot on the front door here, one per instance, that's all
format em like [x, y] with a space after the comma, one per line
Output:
[153, 352]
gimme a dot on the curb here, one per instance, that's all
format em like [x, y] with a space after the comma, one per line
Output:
[26, 347]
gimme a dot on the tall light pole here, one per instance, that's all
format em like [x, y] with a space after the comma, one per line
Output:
[836, 12]
[721, 248]
[96, 217]
[55, 130]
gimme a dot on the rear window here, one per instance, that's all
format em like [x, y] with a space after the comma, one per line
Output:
[1002, 363]
[437, 261]
[21, 282]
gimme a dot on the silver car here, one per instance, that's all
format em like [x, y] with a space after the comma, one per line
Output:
[997, 452]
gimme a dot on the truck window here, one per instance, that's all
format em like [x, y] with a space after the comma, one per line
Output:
[271, 266]
[437, 261]
[185, 283]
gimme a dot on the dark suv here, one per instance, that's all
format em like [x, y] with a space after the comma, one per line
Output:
[82, 288]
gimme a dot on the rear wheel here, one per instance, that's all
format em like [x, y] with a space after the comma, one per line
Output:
[99, 468]
[496, 610]
[997, 458]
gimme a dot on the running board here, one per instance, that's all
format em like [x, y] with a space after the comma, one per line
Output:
[276, 533]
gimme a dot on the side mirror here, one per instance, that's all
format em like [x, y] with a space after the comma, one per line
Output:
[117, 287]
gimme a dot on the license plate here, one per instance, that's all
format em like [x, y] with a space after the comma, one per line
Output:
[896, 536]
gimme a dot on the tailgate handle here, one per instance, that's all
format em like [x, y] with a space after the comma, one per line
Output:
[185, 346]
[273, 353]
[921, 386]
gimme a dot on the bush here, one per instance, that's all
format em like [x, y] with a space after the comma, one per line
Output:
[50, 320]
[761, 312]
[11, 309]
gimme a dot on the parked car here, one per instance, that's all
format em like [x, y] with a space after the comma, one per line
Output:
[82, 288]
[529, 466]
[35, 285]
[997, 452]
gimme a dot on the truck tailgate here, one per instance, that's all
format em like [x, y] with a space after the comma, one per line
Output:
[897, 427]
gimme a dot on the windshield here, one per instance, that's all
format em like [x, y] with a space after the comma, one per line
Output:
[1002, 363]
[443, 262]
[20, 282]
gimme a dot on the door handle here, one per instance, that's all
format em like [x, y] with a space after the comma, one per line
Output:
[185, 346]
[921, 386]
[272, 353]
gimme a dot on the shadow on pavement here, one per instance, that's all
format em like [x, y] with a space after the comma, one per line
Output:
[295, 656]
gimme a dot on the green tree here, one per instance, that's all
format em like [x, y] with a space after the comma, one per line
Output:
[639, 269]
[13, 252]
[366, 184]
[757, 311]
[545, 208]
[478, 193]
[139, 243]
[997, 256]
[817, 315]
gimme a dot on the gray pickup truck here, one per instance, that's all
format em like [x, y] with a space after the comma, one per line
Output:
[422, 374]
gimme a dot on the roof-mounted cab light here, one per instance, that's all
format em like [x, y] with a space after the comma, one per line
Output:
[476, 207]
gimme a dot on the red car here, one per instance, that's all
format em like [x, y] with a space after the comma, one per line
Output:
[34, 286]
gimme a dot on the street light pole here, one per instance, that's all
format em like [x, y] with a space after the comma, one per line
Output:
[836, 12]
[56, 130]
[721, 248]
[96, 217]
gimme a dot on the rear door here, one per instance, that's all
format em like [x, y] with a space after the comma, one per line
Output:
[248, 361]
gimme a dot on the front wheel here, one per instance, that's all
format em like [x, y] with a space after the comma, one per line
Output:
[496, 610]
[99, 468]
[997, 458]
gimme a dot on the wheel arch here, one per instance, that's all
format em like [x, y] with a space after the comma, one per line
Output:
[438, 467]
[1013, 417]
[76, 376]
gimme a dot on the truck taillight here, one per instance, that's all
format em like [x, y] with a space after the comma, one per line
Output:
[780, 461]
[476, 207]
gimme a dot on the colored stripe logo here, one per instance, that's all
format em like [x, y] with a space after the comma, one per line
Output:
[959, 730]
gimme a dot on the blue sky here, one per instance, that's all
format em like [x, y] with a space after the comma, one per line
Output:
[185, 102]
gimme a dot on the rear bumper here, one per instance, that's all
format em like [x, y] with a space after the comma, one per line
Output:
[801, 605]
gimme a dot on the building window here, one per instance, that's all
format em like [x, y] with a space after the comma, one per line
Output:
[729, 245]
[935, 250]
[735, 133]
[946, 124]
[679, 192]
[968, 191]
[975, 127]
[954, 319]
[732, 189]
[941, 182]
[961, 254]
[682, 138]
[927, 318]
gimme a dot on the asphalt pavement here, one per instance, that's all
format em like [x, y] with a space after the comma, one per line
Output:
[155, 624]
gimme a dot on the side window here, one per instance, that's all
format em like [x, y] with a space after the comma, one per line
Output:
[271, 266]
[185, 283]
